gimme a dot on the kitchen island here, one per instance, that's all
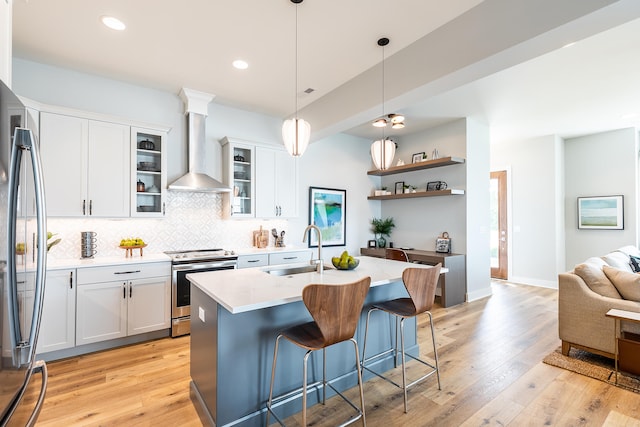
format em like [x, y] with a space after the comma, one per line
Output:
[236, 316]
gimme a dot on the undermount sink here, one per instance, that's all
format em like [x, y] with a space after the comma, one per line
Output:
[286, 271]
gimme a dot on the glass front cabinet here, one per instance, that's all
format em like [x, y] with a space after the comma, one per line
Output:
[149, 182]
[239, 174]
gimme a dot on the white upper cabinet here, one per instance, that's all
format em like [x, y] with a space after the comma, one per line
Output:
[85, 166]
[276, 183]
[263, 178]
[108, 174]
[63, 145]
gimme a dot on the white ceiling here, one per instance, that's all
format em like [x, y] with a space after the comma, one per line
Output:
[497, 60]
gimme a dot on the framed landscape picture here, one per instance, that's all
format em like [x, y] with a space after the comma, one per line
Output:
[601, 213]
[327, 210]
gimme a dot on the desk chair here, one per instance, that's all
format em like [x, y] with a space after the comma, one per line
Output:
[396, 254]
[421, 285]
[336, 311]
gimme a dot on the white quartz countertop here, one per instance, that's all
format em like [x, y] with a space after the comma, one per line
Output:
[60, 264]
[271, 250]
[250, 289]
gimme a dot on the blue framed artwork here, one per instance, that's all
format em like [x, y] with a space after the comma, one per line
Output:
[601, 213]
[327, 211]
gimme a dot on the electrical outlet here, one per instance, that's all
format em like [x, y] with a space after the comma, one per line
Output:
[201, 313]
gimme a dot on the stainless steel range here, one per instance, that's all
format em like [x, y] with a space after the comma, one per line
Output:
[183, 263]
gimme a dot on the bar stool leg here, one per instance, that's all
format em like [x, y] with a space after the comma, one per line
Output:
[435, 350]
[324, 375]
[273, 375]
[360, 385]
[395, 353]
[404, 370]
[304, 389]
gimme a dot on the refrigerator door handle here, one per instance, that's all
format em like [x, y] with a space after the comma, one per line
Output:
[39, 366]
[24, 350]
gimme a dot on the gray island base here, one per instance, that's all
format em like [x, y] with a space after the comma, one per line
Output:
[235, 318]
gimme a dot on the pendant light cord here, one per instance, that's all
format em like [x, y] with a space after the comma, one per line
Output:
[383, 133]
[296, 76]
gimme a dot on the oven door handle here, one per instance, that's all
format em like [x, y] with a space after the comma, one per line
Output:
[202, 266]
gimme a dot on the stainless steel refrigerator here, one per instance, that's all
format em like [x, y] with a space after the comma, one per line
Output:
[23, 250]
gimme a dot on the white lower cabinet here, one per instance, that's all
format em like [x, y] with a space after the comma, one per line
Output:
[58, 322]
[273, 258]
[149, 305]
[254, 260]
[137, 301]
[102, 312]
[289, 257]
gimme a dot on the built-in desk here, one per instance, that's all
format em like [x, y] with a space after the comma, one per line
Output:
[452, 285]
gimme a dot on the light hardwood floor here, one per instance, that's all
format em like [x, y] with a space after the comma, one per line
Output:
[491, 370]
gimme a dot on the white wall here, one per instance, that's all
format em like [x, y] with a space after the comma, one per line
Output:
[477, 210]
[600, 165]
[5, 41]
[535, 187]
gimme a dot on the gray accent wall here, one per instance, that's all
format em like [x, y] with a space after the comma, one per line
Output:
[602, 164]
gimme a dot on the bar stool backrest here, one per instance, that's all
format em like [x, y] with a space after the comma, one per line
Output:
[336, 308]
[396, 254]
[421, 285]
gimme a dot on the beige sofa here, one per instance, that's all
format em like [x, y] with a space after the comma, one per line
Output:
[587, 293]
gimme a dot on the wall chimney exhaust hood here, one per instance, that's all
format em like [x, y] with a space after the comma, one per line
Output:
[196, 180]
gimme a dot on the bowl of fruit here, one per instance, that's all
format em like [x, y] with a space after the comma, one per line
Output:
[131, 243]
[345, 261]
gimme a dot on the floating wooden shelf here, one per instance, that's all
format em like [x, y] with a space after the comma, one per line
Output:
[448, 192]
[427, 164]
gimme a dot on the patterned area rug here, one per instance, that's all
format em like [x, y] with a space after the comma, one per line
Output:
[594, 366]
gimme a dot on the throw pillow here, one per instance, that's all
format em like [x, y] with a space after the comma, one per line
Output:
[634, 262]
[591, 272]
[630, 250]
[619, 260]
[628, 284]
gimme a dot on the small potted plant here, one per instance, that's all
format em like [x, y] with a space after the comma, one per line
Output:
[382, 227]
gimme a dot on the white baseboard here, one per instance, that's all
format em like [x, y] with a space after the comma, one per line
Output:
[534, 282]
[479, 294]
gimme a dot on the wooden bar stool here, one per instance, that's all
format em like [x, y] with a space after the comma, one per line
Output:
[421, 285]
[335, 310]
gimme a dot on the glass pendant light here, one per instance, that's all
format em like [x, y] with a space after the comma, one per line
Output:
[296, 132]
[383, 150]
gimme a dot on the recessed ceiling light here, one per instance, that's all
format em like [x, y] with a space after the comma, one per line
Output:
[240, 64]
[113, 23]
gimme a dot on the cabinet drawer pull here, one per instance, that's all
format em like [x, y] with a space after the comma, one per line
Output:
[253, 260]
[127, 272]
[130, 289]
[290, 257]
[84, 207]
[124, 291]
[71, 280]
[90, 207]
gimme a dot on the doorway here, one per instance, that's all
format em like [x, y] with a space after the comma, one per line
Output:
[498, 231]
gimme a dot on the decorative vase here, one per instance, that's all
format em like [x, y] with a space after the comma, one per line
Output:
[382, 242]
